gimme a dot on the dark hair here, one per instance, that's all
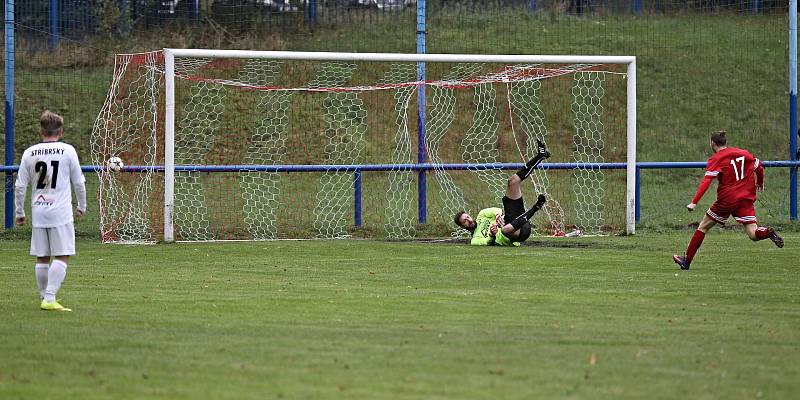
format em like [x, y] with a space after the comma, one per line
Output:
[51, 123]
[457, 217]
[719, 138]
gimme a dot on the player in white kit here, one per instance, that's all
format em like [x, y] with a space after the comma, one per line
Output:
[50, 167]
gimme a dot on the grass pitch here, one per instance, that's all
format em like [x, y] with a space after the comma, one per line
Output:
[560, 318]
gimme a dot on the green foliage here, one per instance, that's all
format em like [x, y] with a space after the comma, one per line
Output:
[110, 19]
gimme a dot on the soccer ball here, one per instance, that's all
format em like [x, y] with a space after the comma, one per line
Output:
[115, 164]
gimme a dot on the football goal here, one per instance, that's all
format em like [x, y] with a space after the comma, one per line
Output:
[259, 145]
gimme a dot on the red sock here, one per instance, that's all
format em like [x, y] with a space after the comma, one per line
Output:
[762, 233]
[694, 244]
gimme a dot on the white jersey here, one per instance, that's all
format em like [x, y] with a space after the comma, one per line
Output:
[50, 168]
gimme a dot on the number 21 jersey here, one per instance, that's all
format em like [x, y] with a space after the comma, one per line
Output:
[51, 168]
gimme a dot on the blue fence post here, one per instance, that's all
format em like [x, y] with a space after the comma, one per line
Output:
[311, 12]
[754, 6]
[9, 111]
[793, 108]
[421, 106]
[52, 21]
[124, 18]
[357, 197]
[638, 195]
[636, 7]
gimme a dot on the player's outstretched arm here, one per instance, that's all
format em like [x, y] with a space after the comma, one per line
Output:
[701, 190]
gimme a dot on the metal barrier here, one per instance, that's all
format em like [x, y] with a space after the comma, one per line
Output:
[358, 169]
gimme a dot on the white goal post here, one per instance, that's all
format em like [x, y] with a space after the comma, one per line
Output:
[170, 55]
[244, 136]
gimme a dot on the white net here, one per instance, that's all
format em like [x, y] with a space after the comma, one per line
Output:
[261, 190]
[589, 141]
[271, 149]
[345, 117]
[530, 119]
[400, 196]
[128, 124]
[441, 115]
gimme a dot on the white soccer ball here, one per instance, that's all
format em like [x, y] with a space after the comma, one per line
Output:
[115, 164]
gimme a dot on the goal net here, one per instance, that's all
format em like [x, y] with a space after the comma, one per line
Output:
[246, 145]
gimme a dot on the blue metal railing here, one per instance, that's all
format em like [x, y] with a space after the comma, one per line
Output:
[77, 19]
[413, 167]
[357, 197]
[422, 182]
[9, 110]
[359, 169]
[793, 132]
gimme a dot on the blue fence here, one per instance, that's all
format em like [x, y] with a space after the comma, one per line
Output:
[77, 19]
[359, 169]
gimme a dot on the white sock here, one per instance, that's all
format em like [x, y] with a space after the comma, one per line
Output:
[41, 277]
[56, 274]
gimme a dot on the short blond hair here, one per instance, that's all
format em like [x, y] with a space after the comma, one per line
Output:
[51, 123]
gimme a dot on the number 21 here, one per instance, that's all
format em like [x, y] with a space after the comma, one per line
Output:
[739, 172]
[41, 168]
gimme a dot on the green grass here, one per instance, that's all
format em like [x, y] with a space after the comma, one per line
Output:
[561, 318]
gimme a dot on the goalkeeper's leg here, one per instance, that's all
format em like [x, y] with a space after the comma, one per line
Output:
[523, 219]
[514, 191]
[541, 155]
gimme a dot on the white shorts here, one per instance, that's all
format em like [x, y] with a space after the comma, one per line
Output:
[55, 241]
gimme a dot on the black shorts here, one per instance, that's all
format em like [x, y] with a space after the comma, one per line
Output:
[513, 209]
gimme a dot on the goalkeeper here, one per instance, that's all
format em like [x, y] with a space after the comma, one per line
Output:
[509, 226]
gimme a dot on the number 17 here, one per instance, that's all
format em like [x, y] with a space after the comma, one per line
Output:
[739, 172]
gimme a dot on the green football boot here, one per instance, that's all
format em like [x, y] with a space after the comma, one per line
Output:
[54, 306]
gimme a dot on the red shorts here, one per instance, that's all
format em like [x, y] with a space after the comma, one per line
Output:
[743, 212]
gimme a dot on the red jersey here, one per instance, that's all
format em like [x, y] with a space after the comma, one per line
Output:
[737, 173]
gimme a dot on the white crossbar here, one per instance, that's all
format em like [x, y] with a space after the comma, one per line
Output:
[170, 55]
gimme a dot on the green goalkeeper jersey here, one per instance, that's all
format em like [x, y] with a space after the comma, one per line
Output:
[481, 237]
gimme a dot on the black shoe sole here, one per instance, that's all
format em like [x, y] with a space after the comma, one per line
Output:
[541, 149]
[775, 238]
[683, 266]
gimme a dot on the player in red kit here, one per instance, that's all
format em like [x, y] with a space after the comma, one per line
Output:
[739, 174]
